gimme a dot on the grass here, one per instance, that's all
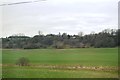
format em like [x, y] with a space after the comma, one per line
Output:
[32, 72]
[105, 57]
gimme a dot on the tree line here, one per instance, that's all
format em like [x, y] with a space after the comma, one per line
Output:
[105, 39]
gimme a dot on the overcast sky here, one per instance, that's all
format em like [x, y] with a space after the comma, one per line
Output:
[54, 16]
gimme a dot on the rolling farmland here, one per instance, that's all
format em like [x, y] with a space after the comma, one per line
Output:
[61, 63]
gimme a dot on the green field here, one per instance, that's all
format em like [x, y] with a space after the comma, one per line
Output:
[62, 63]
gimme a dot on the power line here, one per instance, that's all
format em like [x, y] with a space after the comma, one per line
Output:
[20, 3]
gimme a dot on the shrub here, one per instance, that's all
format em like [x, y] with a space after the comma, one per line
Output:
[22, 62]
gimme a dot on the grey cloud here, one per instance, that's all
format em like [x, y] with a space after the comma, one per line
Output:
[55, 16]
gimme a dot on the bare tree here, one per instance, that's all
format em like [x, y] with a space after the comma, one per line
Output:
[93, 32]
[40, 32]
[80, 34]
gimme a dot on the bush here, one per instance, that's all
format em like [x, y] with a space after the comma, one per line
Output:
[59, 45]
[23, 62]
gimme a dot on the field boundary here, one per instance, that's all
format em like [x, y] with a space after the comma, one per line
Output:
[64, 67]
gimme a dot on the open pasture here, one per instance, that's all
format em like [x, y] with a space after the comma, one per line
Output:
[61, 63]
